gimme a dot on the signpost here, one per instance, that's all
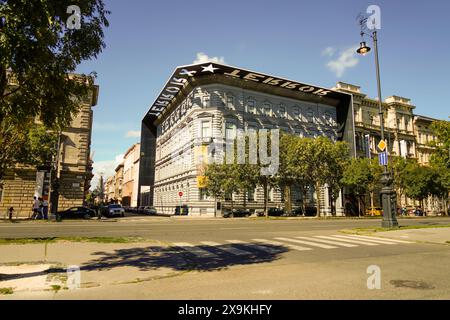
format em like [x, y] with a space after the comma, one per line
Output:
[383, 158]
[180, 194]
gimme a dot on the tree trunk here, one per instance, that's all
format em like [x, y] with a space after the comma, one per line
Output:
[287, 199]
[445, 206]
[371, 201]
[304, 195]
[245, 199]
[266, 211]
[359, 205]
[318, 199]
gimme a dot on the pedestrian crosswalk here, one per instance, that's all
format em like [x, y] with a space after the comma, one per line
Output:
[276, 245]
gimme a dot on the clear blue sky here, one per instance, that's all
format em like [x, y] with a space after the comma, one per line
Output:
[146, 40]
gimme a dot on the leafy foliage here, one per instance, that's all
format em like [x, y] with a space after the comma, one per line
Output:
[38, 55]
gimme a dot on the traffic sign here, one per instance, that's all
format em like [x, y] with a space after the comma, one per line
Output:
[180, 194]
[382, 145]
[383, 158]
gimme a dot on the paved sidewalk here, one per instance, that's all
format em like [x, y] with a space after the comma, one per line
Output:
[430, 235]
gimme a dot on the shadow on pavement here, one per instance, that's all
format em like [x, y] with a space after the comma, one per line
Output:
[151, 258]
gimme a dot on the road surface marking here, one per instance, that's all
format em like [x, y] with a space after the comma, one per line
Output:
[347, 240]
[383, 239]
[199, 252]
[364, 239]
[309, 243]
[276, 243]
[330, 242]
[226, 248]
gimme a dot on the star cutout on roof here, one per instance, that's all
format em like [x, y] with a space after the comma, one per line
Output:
[209, 68]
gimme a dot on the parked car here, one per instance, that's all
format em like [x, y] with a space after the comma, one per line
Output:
[149, 210]
[140, 210]
[77, 213]
[113, 210]
[374, 211]
[275, 212]
[236, 213]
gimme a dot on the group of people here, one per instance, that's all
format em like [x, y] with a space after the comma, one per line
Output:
[40, 208]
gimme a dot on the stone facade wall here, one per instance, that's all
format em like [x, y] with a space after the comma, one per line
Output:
[18, 191]
[202, 118]
[19, 185]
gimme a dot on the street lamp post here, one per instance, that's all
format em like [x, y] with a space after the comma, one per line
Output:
[388, 194]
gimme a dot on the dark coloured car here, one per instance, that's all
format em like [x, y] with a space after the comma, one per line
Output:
[236, 213]
[275, 212]
[77, 213]
[150, 211]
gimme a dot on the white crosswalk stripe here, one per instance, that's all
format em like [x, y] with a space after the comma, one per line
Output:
[364, 239]
[309, 243]
[266, 245]
[384, 239]
[276, 243]
[364, 243]
[226, 248]
[337, 243]
[199, 252]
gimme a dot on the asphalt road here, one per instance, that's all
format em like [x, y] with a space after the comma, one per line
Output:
[190, 229]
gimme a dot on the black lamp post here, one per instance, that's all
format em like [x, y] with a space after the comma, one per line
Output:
[388, 194]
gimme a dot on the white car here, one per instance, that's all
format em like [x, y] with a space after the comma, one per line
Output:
[115, 210]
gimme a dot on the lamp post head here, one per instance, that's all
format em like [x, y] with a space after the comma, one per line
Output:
[363, 48]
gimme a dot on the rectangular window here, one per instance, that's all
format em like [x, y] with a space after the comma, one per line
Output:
[230, 131]
[206, 129]
[282, 111]
[206, 101]
[202, 194]
[250, 195]
[230, 102]
[251, 108]
[295, 113]
[267, 109]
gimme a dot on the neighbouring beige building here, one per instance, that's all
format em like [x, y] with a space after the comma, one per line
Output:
[110, 187]
[130, 176]
[408, 135]
[21, 183]
[118, 180]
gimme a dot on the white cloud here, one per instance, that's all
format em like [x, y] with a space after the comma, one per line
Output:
[133, 134]
[203, 57]
[105, 168]
[347, 59]
[329, 51]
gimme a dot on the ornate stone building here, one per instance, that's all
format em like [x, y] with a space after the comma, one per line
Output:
[130, 176]
[407, 134]
[75, 168]
[206, 104]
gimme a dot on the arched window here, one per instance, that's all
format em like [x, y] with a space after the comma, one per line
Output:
[251, 106]
[267, 109]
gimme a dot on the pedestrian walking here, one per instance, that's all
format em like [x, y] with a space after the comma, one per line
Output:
[45, 209]
[35, 208]
[41, 208]
[10, 212]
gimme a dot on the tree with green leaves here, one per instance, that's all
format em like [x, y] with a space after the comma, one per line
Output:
[440, 159]
[320, 161]
[362, 175]
[39, 52]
